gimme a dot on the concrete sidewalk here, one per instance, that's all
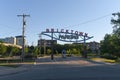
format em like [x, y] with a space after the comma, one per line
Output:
[68, 60]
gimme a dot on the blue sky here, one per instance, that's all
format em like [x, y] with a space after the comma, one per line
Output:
[67, 14]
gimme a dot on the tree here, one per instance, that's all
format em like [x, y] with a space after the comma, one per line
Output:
[116, 24]
[36, 51]
[116, 32]
[3, 49]
[9, 48]
[49, 51]
[26, 50]
[106, 44]
[14, 51]
[74, 51]
[58, 47]
[30, 49]
[111, 42]
[109, 47]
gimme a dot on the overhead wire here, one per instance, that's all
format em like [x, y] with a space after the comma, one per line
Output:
[89, 21]
[9, 27]
[82, 23]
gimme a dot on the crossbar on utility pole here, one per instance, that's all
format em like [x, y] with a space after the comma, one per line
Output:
[23, 31]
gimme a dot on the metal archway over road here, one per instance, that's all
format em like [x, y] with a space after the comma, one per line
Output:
[66, 36]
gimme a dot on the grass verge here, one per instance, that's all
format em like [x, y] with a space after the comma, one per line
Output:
[103, 60]
[9, 65]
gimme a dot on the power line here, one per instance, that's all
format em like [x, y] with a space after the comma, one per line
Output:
[9, 29]
[92, 20]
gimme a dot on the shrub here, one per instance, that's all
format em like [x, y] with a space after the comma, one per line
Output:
[109, 57]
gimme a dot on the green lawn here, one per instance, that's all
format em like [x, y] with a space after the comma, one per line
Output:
[9, 65]
[15, 62]
[103, 60]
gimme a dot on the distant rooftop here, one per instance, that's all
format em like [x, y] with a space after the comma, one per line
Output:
[18, 36]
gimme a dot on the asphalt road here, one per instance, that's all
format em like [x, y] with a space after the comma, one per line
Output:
[67, 72]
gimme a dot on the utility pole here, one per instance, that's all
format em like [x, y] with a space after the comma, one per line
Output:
[52, 54]
[44, 47]
[40, 42]
[85, 53]
[23, 31]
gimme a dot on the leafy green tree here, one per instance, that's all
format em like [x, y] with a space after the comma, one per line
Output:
[9, 48]
[3, 49]
[26, 50]
[116, 22]
[109, 46]
[56, 52]
[69, 52]
[106, 44]
[1, 41]
[58, 47]
[116, 33]
[14, 51]
[111, 42]
[115, 43]
[74, 51]
[36, 51]
[49, 51]
[30, 49]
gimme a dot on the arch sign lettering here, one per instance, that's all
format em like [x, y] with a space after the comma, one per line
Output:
[66, 35]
